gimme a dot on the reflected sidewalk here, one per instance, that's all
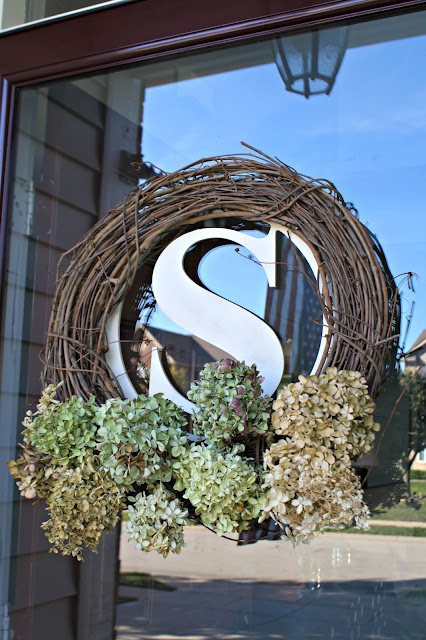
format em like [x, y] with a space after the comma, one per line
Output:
[340, 587]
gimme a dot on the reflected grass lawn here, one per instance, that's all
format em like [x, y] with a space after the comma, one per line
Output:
[389, 530]
[418, 486]
[413, 511]
[124, 600]
[143, 580]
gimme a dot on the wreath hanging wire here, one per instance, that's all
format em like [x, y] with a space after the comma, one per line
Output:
[360, 301]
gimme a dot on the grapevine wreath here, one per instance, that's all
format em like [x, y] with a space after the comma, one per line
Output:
[91, 453]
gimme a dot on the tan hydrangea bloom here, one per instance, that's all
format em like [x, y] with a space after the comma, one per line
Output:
[330, 412]
[83, 504]
[34, 472]
[308, 494]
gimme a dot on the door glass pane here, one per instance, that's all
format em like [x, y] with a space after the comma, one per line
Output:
[81, 144]
[15, 13]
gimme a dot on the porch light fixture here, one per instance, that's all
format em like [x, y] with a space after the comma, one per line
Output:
[309, 62]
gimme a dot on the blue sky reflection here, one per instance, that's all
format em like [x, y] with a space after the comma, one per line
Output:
[368, 137]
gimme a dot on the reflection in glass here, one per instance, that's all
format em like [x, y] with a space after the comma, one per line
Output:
[309, 62]
[292, 309]
[14, 13]
[354, 586]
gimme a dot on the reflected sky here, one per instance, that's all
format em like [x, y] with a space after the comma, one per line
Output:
[233, 275]
[368, 137]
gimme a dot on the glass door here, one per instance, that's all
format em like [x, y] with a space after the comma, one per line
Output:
[80, 145]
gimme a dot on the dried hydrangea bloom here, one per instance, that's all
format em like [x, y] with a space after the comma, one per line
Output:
[83, 505]
[47, 400]
[230, 401]
[305, 497]
[330, 412]
[137, 438]
[34, 472]
[156, 521]
[222, 486]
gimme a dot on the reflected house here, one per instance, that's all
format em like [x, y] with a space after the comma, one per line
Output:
[186, 354]
[294, 312]
[414, 358]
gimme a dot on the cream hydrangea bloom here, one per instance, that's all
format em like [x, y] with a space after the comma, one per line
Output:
[156, 521]
[331, 412]
[306, 496]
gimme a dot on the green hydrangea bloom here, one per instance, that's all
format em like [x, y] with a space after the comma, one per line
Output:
[34, 472]
[223, 487]
[63, 430]
[138, 437]
[231, 407]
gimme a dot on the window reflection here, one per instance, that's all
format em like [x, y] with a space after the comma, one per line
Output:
[15, 13]
[355, 586]
[292, 309]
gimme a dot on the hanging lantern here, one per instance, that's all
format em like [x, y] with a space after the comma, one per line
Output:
[309, 62]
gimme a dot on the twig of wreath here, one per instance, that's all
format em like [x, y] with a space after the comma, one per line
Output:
[91, 453]
[360, 301]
